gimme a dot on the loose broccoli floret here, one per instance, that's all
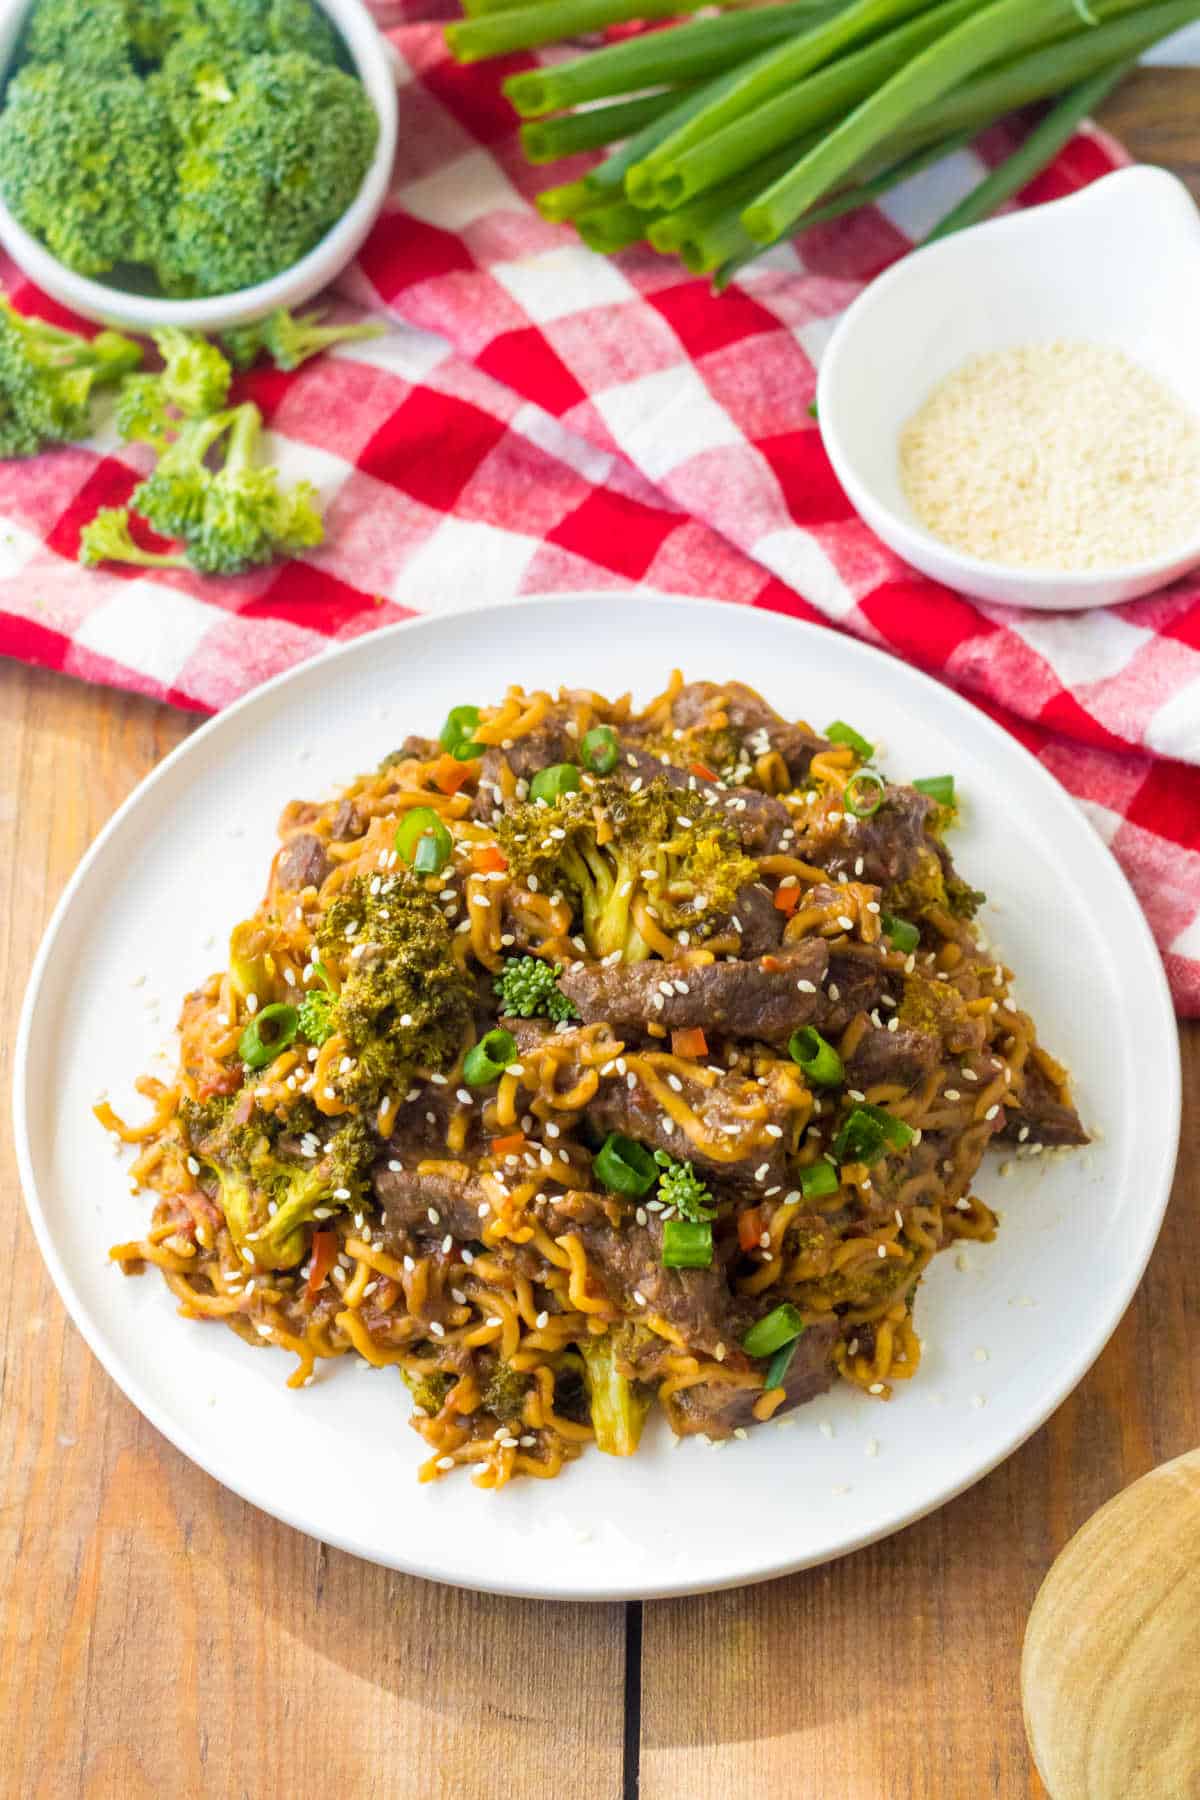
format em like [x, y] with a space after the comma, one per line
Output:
[290, 339]
[405, 1002]
[619, 1405]
[194, 381]
[680, 1186]
[173, 496]
[246, 517]
[612, 846]
[528, 989]
[269, 1199]
[87, 163]
[107, 538]
[268, 174]
[236, 516]
[47, 377]
[195, 375]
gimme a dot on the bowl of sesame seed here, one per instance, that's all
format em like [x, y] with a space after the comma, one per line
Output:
[1015, 411]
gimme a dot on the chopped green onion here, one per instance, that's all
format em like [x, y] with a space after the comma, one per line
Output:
[841, 733]
[686, 1246]
[819, 1180]
[624, 1166]
[552, 783]
[257, 1050]
[868, 1133]
[771, 1333]
[455, 735]
[424, 842]
[487, 1060]
[600, 750]
[812, 410]
[857, 792]
[938, 787]
[905, 937]
[780, 1363]
[816, 1057]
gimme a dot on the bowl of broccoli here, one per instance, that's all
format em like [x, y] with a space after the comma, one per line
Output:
[191, 163]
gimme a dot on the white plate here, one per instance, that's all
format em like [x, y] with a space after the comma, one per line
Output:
[187, 856]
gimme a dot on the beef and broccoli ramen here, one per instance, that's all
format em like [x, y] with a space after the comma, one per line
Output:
[587, 1057]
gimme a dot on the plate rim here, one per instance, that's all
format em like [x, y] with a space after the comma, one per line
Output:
[179, 1435]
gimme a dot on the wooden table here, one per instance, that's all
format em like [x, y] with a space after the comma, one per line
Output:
[159, 1637]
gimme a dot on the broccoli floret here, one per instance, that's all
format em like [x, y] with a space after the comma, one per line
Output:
[290, 339]
[269, 173]
[246, 517]
[405, 1001]
[619, 1405]
[680, 1186]
[963, 900]
[236, 516]
[268, 1198]
[316, 1016]
[195, 375]
[504, 1393]
[91, 34]
[611, 846]
[107, 538]
[174, 494]
[253, 26]
[193, 382]
[428, 1391]
[528, 989]
[47, 377]
[87, 164]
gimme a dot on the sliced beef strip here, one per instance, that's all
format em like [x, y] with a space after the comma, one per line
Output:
[854, 984]
[635, 1112]
[414, 749]
[759, 999]
[902, 1056]
[347, 822]
[889, 843]
[759, 921]
[718, 1410]
[435, 1203]
[548, 743]
[628, 1260]
[408, 1199]
[748, 714]
[1048, 1120]
[301, 863]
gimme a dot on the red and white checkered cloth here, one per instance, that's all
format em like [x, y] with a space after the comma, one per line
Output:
[540, 419]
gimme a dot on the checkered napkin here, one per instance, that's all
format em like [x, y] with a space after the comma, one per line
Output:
[539, 419]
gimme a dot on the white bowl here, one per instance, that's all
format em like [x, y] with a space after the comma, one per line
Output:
[1117, 264]
[95, 299]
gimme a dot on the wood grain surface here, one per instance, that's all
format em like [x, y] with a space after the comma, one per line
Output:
[159, 1637]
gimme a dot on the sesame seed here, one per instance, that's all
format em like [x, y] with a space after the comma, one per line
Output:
[445, 1462]
[542, 1320]
[434, 1216]
[438, 1331]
